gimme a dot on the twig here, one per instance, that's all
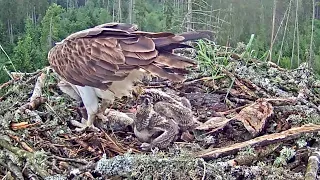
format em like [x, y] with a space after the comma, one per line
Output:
[27, 108]
[23, 144]
[20, 74]
[204, 169]
[232, 110]
[8, 83]
[37, 91]
[292, 133]
[15, 169]
[22, 125]
[313, 166]
[32, 105]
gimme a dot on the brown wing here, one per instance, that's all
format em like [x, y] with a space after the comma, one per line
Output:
[98, 56]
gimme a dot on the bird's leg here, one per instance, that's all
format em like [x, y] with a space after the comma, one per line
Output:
[101, 113]
[170, 130]
[90, 101]
[106, 103]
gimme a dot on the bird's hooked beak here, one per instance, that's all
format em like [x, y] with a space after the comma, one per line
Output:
[147, 101]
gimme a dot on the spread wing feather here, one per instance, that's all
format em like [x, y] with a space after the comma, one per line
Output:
[98, 56]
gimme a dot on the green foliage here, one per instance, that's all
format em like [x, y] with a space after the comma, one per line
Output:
[247, 151]
[26, 52]
[209, 61]
[52, 29]
[41, 23]
[140, 13]
[22, 53]
[168, 14]
[285, 155]
[154, 22]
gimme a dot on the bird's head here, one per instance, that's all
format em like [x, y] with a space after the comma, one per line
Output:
[144, 109]
[146, 104]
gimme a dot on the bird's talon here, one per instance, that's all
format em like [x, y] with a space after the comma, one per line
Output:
[89, 128]
[103, 117]
[83, 121]
[145, 146]
[82, 129]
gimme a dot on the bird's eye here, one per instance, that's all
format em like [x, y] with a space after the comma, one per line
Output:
[146, 101]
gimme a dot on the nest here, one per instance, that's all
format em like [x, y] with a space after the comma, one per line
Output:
[257, 121]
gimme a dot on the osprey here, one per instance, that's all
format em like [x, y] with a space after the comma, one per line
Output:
[105, 61]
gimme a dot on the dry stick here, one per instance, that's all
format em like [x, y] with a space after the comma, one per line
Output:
[20, 74]
[313, 166]
[24, 145]
[29, 107]
[37, 91]
[35, 101]
[224, 113]
[292, 133]
[272, 100]
[8, 83]
[16, 170]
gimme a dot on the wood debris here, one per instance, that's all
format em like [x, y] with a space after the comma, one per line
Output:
[254, 117]
[261, 141]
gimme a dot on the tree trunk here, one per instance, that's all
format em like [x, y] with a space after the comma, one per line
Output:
[189, 16]
[10, 33]
[34, 15]
[119, 11]
[113, 13]
[130, 11]
[272, 31]
[50, 44]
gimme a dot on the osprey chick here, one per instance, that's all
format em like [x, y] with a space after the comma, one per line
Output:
[105, 61]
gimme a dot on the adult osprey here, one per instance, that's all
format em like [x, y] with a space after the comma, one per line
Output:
[105, 61]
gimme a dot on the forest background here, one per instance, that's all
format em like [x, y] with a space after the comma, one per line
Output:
[286, 32]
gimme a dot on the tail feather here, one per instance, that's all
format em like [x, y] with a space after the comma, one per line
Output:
[195, 35]
[161, 72]
[165, 41]
[172, 42]
[169, 65]
[174, 70]
[174, 61]
[173, 46]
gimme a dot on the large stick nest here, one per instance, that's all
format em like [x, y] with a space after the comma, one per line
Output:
[259, 121]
